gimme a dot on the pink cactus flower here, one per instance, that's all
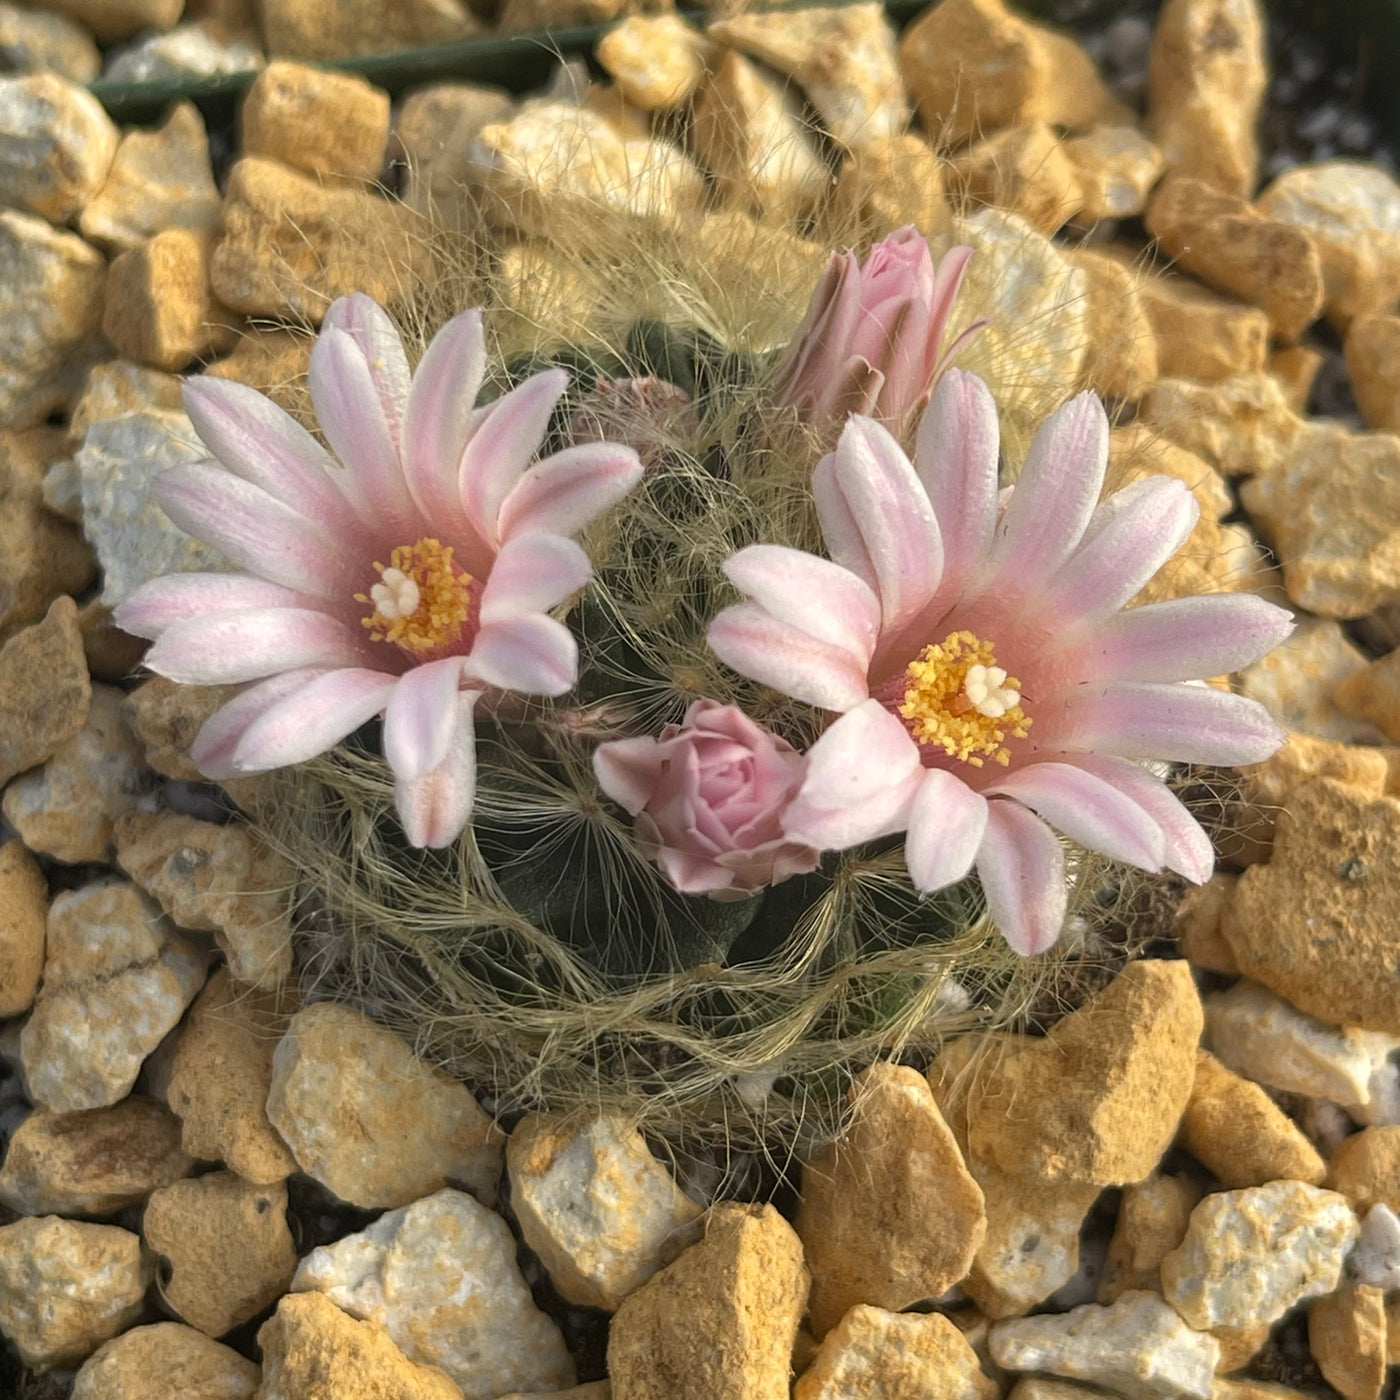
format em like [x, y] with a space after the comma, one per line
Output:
[708, 797]
[872, 342]
[990, 682]
[409, 582]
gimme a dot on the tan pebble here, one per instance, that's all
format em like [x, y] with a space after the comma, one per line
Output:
[119, 19]
[334, 29]
[721, 1320]
[1255, 1390]
[887, 184]
[1295, 368]
[657, 61]
[1123, 358]
[112, 655]
[290, 245]
[1392, 1328]
[228, 1246]
[93, 1163]
[159, 180]
[872, 1351]
[24, 907]
[1240, 425]
[115, 388]
[56, 145]
[333, 124]
[1233, 247]
[39, 40]
[1026, 170]
[1202, 336]
[1043, 1388]
[433, 133]
[44, 689]
[1314, 924]
[1197, 925]
[1238, 1346]
[1348, 1339]
[1372, 693]
[882, 1221]
[1373, 361]
[1117, 167]
[311, 1348]
[1206, 78]
[165, 1361]
[518, 16]
[167, 716]
[220, 1076]
[1237, 1131]
[1366, 1168]
[1152, 1221]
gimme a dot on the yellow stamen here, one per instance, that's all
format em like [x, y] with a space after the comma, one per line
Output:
[421, 602]
[957, 698]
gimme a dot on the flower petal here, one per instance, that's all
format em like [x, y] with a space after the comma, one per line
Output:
[352, 416]
[814, 595]
[532, 574]
[1088, 810]
[436, 806]
[1139, 719]
[1184, 638]
[260, 442]
[566, 492]
[884, 500]
[370, 327]
[226, 648]
[438, 417]
[946, 824]
[212, 749]
[627, 769]
[1022, 869]
[772, 652]
[313, 718]
[1054, 497]
[420, 716]
[1131, 535]
[1188, 848]
[533, 655]
[255, 531]
[161, 602]
[503, 445]
[862, 778]
[956, 457]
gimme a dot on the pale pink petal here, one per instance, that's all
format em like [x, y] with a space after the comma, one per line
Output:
[1188, 848]
[840, 530]
[532, 574]
[226, 648]
[946, 824]
[313, 718]
[420, 717]
[1022, 869]
[373, 331]
[814, 595]
[352, 416]
[956, 455]
[436, 806]
[257, 440]
[692, 874]
[533, 655]
[627, 769]
[157, 604]
[947, 280]
[898, 533]
[772, 652]
[1184, 638]
[252, 529]
[1088, 810]
[1054, 497]
[1139, 719]
[862, 778]
[1131, 535]
[566, 492]
[212, 748]
[503, 445]
[438, 418]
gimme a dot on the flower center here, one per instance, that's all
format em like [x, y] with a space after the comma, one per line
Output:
[422, 601]
[958, 699]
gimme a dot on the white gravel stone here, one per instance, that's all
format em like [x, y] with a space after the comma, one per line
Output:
[1137, 1348]
[67, 1286]
[601, 1212]
[56, 145]
[1376, 1258]
[187, 51]
[1248, 1256]
[31, 40]
[1264, 1038]
[120, 460]
[440, 1277]
[117, 978]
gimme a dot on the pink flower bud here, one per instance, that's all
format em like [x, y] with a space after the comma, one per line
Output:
[872, 342]
[709, 797]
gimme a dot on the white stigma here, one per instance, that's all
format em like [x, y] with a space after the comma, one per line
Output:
[986, 692]
[395, 596]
